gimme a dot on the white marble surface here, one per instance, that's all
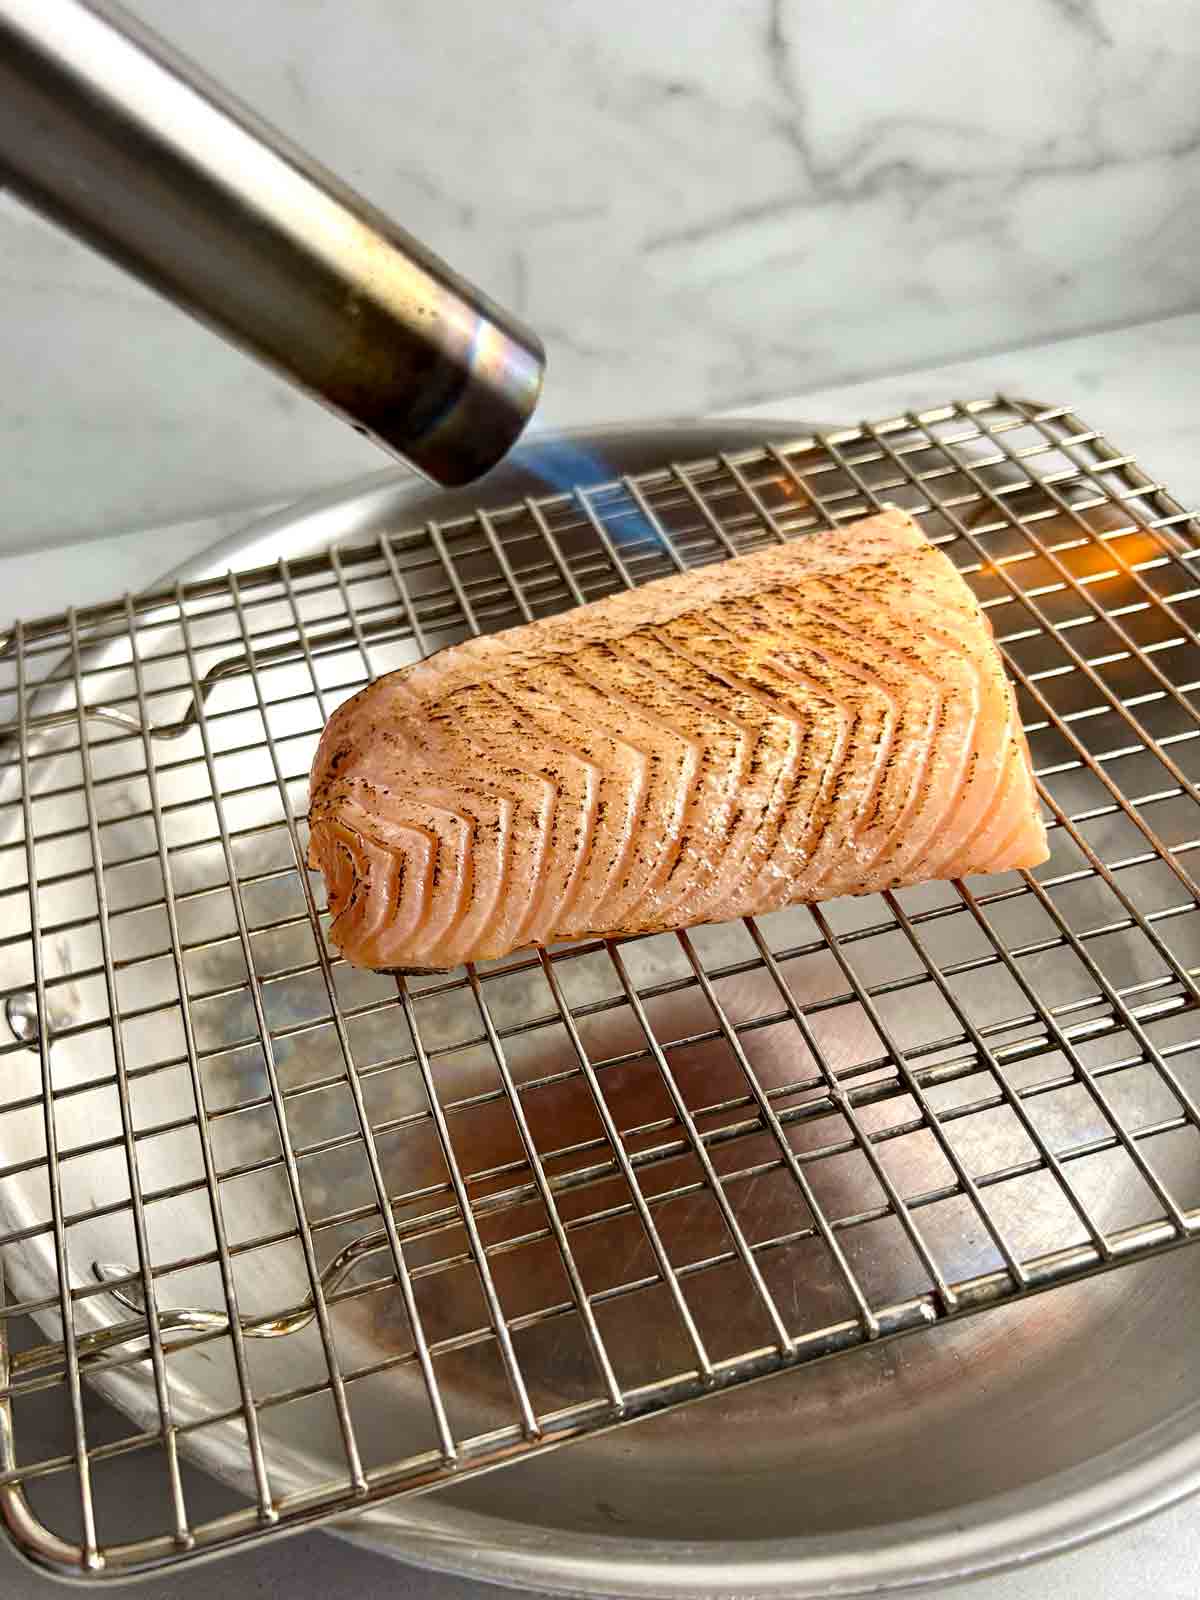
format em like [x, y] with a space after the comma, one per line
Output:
[699, 206]
[1139, 384]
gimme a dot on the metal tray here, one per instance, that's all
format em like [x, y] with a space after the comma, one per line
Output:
[983, 1441]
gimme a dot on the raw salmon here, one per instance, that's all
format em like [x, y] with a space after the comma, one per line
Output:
[825, 717]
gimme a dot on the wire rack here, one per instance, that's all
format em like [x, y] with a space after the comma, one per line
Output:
[347, 1236]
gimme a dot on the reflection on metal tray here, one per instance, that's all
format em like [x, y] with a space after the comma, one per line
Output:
[340, 1237]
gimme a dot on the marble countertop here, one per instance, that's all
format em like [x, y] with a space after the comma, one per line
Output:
[1138, 385]
[695, 205]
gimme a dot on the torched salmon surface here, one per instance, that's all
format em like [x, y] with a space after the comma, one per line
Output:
[825, 717]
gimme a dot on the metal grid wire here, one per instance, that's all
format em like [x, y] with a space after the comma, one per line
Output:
[469, 1217]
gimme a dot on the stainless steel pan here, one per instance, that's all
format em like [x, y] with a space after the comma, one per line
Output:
[982, 1444]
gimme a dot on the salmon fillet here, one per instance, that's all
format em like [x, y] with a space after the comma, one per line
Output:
[826, 717]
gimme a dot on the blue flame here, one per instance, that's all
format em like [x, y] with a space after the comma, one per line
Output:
[565, 465]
